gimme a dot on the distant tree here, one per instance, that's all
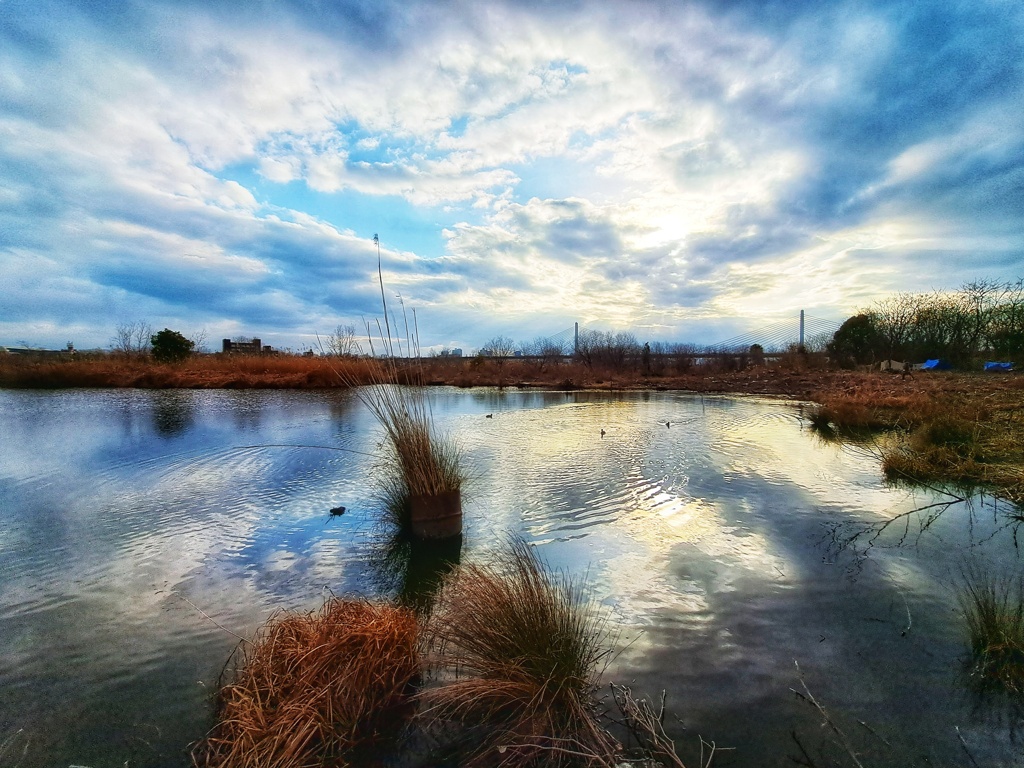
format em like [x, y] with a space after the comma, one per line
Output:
[611, 350]
[499, 349]
[500, 346]
[198, 340]
[170, 346]
[895, 318]
[132, 338]
[1006, 329]
[546, 351]
[857, 341]
[342, 342]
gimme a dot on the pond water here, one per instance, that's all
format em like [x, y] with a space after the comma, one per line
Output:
[143, 532]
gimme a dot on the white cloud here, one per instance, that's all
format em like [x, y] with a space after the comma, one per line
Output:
[635, 166]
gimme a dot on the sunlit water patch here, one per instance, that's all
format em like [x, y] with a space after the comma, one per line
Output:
[143, 533]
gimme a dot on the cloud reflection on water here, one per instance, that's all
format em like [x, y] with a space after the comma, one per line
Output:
[705, 540]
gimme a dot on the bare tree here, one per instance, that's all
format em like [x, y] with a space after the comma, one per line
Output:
[198, 340]
[132, 338]
[546, 350]
[980, 299]
[499, 346]
[614, 350]
[895, 317]
[342, 342]
[1006, 329]
[500, 349]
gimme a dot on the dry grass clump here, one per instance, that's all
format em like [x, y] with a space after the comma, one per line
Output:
[847, 417]
[315, 689]
[427, 462]
[993, 611]
[417, 460]
[521, 646]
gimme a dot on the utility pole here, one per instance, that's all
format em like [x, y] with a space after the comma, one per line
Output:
[576, 341]
[801, 330]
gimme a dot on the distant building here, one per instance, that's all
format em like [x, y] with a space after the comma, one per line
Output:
[253, 347]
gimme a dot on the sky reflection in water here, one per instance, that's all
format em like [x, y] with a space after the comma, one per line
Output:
[715, 532]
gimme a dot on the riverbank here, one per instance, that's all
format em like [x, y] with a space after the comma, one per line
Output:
[793, 380]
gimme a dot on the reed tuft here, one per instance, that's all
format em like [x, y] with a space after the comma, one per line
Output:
[993, 612]
[417, 460]
[315, 689]
[521, 646]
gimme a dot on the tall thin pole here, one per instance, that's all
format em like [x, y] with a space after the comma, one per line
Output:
[801, 329]
[383, 301]
[576, 341]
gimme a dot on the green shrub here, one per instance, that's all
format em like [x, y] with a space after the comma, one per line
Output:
[170, 346]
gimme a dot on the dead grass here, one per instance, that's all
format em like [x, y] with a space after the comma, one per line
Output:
[316, 689]
[993, 611]
[418, 461]
[198, 372]
[958, 429]
[950, 448]
[518, 647]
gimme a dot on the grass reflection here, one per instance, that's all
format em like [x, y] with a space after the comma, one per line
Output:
[413, 569]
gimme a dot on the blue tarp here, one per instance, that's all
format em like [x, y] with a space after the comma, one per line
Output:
[936, 365]
[998, 366]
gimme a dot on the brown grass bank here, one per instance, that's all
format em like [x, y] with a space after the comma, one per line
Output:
[797, 377]
[964, 429]
[197, 372]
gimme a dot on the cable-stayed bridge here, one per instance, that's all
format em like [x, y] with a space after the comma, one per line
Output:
[782, 334]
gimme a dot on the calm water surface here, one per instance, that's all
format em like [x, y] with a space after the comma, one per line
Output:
[142, 532]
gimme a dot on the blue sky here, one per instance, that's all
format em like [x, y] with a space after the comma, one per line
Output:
[685, 171]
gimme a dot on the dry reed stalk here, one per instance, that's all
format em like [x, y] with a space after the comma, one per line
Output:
[520, 647]
[647, 727]
[313, 689]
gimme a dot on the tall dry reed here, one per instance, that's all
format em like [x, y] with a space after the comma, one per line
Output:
[316, 689]
[518, 647]
[418, 461]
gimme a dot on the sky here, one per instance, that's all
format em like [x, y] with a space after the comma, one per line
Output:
[684, 171]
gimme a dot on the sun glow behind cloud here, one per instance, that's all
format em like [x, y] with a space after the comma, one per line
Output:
[667, 169]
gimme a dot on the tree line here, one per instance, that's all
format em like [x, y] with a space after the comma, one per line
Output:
[983, 318]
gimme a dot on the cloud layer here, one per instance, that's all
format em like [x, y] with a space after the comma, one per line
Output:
[678, 170]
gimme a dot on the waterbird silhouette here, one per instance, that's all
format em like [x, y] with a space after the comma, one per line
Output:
[337, 511]
[489, 416]
[602, 433]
